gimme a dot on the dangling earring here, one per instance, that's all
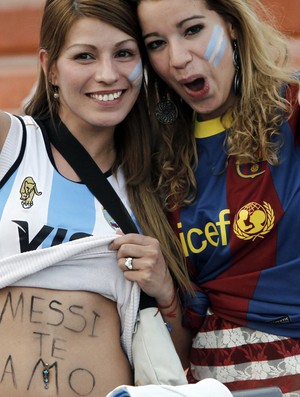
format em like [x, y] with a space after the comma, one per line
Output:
[237, 82]
[56, 94]
[166, 111]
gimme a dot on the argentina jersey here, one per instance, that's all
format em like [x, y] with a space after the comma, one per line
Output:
[40, 208]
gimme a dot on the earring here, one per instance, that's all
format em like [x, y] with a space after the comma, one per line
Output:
[56, 94]
[237, 82]
[166, 111]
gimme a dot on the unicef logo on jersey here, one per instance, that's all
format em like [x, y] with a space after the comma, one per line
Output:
[254, 220]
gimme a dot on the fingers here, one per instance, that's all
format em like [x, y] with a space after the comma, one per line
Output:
[134, 264]
[136, 246]
[141, 259]
[129, 264]
[130, 238]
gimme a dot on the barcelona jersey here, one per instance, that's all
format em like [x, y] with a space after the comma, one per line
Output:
[241, 234]
[241, 241]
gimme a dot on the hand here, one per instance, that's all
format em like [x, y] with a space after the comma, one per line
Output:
[149, 268]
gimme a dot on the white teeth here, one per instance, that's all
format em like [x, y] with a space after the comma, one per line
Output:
[107, 97]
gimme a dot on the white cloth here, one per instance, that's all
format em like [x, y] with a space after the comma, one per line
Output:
[204, 388]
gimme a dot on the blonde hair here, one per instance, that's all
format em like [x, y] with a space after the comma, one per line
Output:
[257, 113]
[261, 109]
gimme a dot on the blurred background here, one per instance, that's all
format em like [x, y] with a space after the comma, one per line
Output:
[19, 31]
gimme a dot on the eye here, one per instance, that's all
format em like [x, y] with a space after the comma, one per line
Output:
[125, 54]
[193, 30]
[84, 56]
[154, 45]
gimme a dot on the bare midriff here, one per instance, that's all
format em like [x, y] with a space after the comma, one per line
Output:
[76, 333]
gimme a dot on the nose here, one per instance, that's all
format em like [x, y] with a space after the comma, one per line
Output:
[179, 56]
[106, 71]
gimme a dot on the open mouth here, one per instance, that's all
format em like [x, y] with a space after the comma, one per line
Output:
[196, 85]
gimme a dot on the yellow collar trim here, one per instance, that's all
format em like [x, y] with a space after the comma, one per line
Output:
[205, 129]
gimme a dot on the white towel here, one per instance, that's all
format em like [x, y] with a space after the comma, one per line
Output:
[204, 388]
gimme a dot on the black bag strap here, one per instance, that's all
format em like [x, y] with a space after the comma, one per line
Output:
[89, 172]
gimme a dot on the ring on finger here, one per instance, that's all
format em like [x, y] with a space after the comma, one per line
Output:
[129, 263]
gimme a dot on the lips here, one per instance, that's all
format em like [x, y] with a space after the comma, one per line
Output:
[196, 85]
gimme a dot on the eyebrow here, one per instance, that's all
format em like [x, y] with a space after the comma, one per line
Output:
[93, 47]
[178, 25]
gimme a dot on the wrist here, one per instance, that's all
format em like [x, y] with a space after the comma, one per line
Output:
[169, 310]
[167, 293]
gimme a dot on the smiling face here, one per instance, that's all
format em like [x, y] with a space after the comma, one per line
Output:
[98, 75]
[189, 47]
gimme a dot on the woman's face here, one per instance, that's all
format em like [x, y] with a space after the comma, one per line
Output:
[98, 75]
[190, 48]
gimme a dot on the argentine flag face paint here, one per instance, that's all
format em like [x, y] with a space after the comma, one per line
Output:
[216, 46]
[136, 75]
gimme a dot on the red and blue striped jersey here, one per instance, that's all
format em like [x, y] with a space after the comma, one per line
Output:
[241, 235]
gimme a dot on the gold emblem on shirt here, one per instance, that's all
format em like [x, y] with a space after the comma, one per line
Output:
[250, 170]
[28, 190]
[253, 220]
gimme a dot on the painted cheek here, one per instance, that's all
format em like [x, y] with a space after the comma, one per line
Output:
[136, 76]
[216, 46]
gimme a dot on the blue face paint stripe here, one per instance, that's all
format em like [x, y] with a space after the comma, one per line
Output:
[212, 42]
[137, 72]
[221, 51]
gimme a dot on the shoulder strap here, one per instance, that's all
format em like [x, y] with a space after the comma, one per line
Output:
[95, 180]
[89, 172]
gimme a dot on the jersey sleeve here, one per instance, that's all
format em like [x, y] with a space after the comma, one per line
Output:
[12, 148]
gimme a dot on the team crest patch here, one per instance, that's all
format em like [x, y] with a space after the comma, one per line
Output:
[249, 170]
[28, 190]
[112, 223]
[253, 220]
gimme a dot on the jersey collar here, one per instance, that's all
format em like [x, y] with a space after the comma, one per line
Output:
[205, 129]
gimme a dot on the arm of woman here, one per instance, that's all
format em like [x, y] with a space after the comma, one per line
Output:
[181, 336]
[4, 127]
[151, 272]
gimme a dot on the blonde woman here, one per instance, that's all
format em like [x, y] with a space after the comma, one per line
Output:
[227, 108]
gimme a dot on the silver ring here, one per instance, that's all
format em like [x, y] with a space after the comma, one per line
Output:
[128, 263]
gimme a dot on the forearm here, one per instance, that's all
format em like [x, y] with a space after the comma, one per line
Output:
[181, 336]
[154, 278]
